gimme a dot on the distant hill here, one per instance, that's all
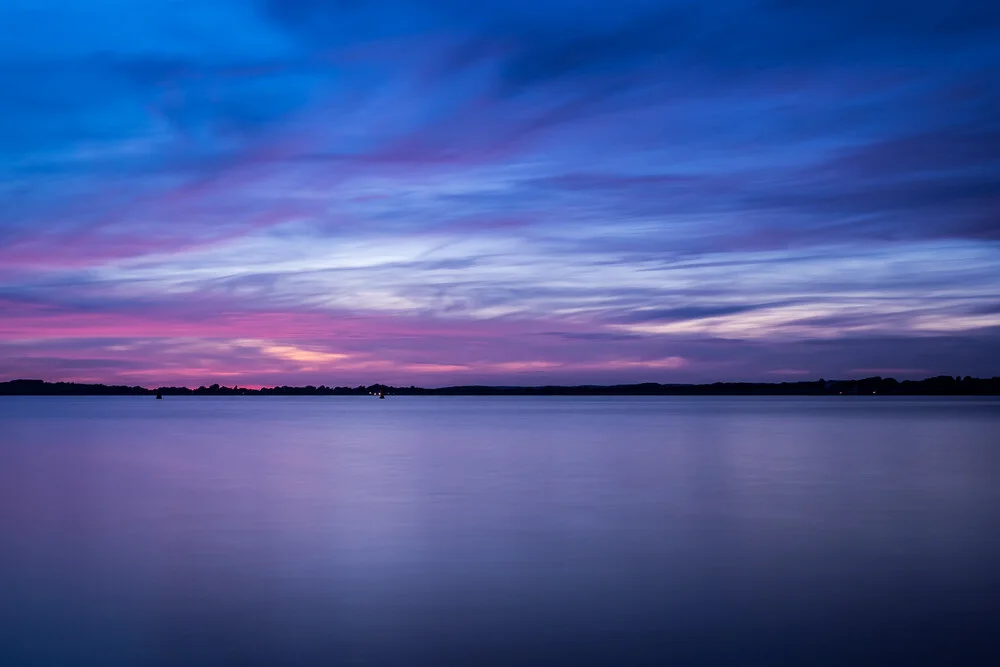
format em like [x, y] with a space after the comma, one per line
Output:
[944, 385]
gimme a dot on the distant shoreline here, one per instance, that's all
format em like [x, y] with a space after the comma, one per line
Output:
[944, 385]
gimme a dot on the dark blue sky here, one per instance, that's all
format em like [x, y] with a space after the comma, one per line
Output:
[294, 191]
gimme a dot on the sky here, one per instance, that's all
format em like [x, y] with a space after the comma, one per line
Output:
[344, 192]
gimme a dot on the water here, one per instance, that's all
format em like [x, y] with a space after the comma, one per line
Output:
[499, 531]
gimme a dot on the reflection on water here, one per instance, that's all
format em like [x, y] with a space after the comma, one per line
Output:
[506, 531]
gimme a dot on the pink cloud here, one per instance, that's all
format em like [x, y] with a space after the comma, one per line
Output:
[159, 345]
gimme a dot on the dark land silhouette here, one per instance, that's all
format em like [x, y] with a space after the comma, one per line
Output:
[943, 385]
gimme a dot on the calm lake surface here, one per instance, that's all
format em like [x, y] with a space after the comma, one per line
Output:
[499, 531]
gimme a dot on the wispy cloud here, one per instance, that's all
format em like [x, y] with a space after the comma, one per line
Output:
[497, 191]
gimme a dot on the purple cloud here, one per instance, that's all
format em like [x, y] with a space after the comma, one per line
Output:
[324, 191]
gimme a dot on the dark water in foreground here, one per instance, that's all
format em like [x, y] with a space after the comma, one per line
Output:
[499, 531]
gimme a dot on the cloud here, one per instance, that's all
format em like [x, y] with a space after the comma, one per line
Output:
[541, 191]
[685, 313]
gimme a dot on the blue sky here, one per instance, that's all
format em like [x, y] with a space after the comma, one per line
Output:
[444, 192]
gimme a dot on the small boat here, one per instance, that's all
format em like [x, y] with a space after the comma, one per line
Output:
[381, 394]
[159, 396]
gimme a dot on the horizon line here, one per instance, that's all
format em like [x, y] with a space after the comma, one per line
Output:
[875, 384]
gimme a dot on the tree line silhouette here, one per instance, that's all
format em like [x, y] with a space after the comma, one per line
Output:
[942, 385]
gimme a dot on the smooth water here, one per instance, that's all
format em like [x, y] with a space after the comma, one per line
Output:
[499, 531]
